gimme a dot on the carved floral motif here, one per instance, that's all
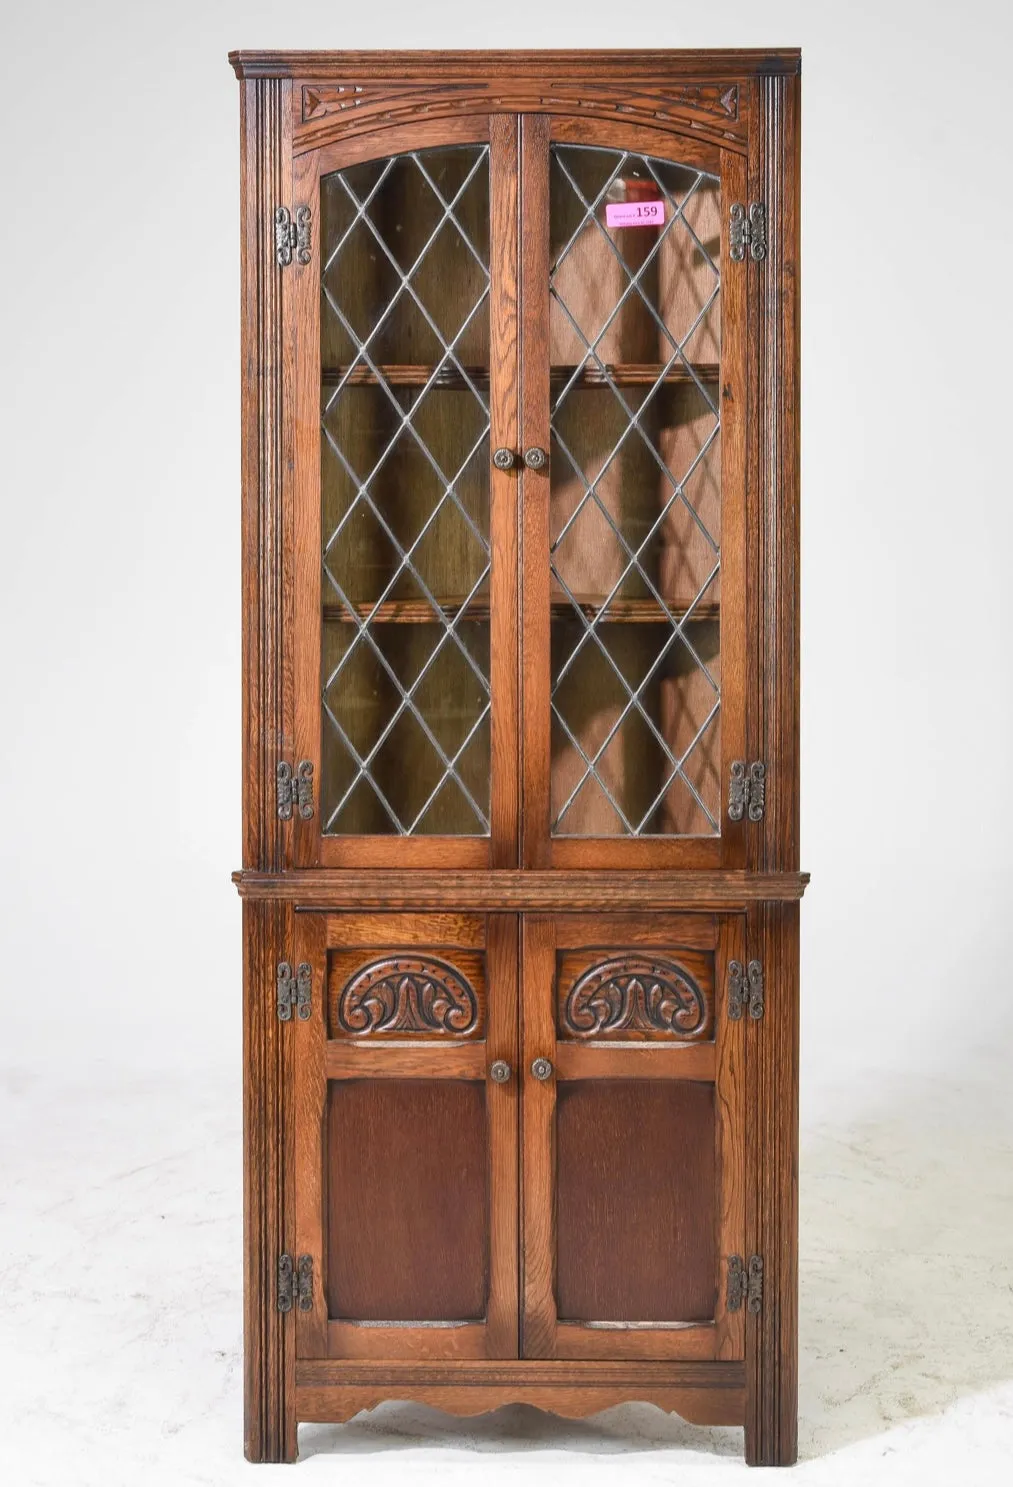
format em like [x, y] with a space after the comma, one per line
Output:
[408, 994]
[637, 994]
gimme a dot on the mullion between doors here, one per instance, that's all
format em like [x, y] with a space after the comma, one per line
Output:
[534, 490]
[504, 433]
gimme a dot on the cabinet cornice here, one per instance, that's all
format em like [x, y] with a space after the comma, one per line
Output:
[580, 65]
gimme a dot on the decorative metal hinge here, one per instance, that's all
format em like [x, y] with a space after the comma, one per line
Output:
[745, 1284]
[294, 990]
[747, 791]
[745, 989]
[748, 231]
[292, 237]
[295, 789]
[295, 1283]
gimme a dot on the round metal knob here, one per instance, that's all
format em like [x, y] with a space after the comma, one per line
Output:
[500, 1071]
[535, 458]
[504, 459]
[542, 1069]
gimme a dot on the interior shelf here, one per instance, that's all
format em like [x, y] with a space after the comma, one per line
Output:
[419, 612]
[631, 611]
[626, 374]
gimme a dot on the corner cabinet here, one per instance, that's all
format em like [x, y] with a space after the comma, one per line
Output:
[521, 877]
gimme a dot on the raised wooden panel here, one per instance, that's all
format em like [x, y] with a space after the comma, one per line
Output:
[406, 994]
[635, 994]
[407, 1200]
[635, 1201]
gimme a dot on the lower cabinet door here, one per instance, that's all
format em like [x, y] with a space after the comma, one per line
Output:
[633, 1134]
[406, 1136]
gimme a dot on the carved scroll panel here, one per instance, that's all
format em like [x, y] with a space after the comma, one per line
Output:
[409, 993]
[641, 994]
[326, 111]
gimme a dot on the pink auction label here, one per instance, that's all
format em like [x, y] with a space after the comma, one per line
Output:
[634, 213]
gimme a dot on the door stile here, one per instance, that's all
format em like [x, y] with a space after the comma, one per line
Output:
[504, 433]
[310, 1083]
[534, 490]
[538, 1118]
[734, 393]
[731, 1135]
[302, 287]
[502, 1042]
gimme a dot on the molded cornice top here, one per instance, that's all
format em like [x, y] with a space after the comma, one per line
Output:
[726, 62]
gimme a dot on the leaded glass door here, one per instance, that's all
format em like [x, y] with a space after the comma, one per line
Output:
[404, 355]
[634, 498]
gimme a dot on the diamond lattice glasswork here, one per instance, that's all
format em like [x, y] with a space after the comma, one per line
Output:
[635, 497]
[405, 495]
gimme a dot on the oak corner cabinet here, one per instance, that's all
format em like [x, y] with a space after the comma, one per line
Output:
[520, 644]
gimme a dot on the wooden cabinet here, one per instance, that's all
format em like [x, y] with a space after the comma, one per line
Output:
[520, 856]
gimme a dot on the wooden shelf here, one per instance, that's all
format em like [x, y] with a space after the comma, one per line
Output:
[404, 376]
[419, 612]
[630, 611]
[410, 611]
[629, 374]
[638, 374]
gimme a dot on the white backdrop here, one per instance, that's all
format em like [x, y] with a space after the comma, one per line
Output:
[120, 599]
[119, 744]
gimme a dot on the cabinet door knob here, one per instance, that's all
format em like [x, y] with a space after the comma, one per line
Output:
[504, 459]
[500, 1071]
[542, 1069]
[535, 458]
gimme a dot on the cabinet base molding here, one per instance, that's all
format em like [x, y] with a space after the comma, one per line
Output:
[708, 1393]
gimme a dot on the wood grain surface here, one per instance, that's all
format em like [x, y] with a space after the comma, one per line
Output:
[467, 1234]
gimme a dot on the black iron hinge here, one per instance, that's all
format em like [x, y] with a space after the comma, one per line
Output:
[747, 790]
[747, 230]
[745, 1284]
[294, 789]
[292, 236]
[294, 990]
[745, 990]
[295, 1283]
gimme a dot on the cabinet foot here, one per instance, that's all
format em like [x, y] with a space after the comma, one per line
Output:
[265, 1445]
[767, 1449]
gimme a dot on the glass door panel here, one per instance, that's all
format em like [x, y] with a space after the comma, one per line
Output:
[405, 495]
[635, 517]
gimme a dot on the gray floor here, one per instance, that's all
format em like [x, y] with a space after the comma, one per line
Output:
[119, 1332]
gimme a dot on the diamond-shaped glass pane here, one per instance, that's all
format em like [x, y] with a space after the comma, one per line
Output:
[405, 495]
[635, 339]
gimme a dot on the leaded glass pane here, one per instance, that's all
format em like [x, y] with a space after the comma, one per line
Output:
[635, 495]
[405, 495]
